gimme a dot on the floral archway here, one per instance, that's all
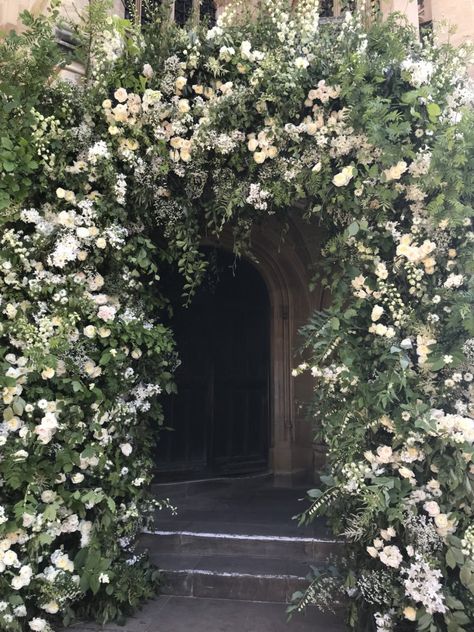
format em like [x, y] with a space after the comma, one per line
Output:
[176, 133]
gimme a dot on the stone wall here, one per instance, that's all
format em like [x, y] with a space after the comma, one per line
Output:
[11, 9]
[458, 14]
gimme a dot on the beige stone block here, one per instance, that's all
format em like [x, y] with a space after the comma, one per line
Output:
[409, 8]
[453, 20]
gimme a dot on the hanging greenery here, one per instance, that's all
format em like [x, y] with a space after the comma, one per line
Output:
[106, 183]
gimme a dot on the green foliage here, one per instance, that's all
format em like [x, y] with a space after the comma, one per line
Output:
[173, 136]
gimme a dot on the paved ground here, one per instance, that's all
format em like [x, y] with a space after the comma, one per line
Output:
[186, 614]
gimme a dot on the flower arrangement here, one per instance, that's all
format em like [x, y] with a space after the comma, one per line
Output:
[175, 132]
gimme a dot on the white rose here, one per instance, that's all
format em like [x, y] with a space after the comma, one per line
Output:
[106, 312]
[441, 521]
[405, 472]
[51, 607]
[27, 520]
[82, 232]
[384, 454]
[89, 331]
[344, 177]
[126, 449]
[183, 106]
[377, 312]
[391, 556]
[252, 144]
[301, 62]
[48, 496]
[37, 624]
[409, 613]
[10, 558]
[180, 83]
[121, 95]
[432, 508]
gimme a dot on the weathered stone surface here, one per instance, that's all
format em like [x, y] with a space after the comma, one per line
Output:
[185, 614]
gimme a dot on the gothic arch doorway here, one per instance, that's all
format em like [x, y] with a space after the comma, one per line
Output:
[220, 417]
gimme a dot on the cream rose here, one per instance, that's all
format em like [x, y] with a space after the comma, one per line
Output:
[377, 312]
[432, 508]
[409, 613]
[344, 177]
[121, 95]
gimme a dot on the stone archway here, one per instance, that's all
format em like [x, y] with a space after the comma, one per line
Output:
[285, 267]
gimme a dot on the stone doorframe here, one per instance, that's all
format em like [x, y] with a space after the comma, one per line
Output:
[284, 266]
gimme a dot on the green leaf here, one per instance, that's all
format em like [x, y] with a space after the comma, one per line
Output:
[6, 142]
[450, 559]
[465, 575]
[433, 110]
[353, 229]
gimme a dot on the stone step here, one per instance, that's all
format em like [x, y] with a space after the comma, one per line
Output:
[228, 577]
[179, 490]
[306, 549]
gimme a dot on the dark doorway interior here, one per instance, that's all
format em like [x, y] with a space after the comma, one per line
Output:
[220, 416]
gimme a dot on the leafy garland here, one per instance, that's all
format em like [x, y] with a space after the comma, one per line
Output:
[106, 184]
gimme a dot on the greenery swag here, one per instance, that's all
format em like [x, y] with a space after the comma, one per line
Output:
[107, 183]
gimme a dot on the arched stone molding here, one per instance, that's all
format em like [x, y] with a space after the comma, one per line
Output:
[284, 266]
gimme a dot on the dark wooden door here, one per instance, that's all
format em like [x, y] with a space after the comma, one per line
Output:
[220, 416]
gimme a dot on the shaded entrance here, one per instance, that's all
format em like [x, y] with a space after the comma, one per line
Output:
[220, 416]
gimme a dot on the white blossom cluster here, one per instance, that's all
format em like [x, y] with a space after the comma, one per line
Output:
[423, 584]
